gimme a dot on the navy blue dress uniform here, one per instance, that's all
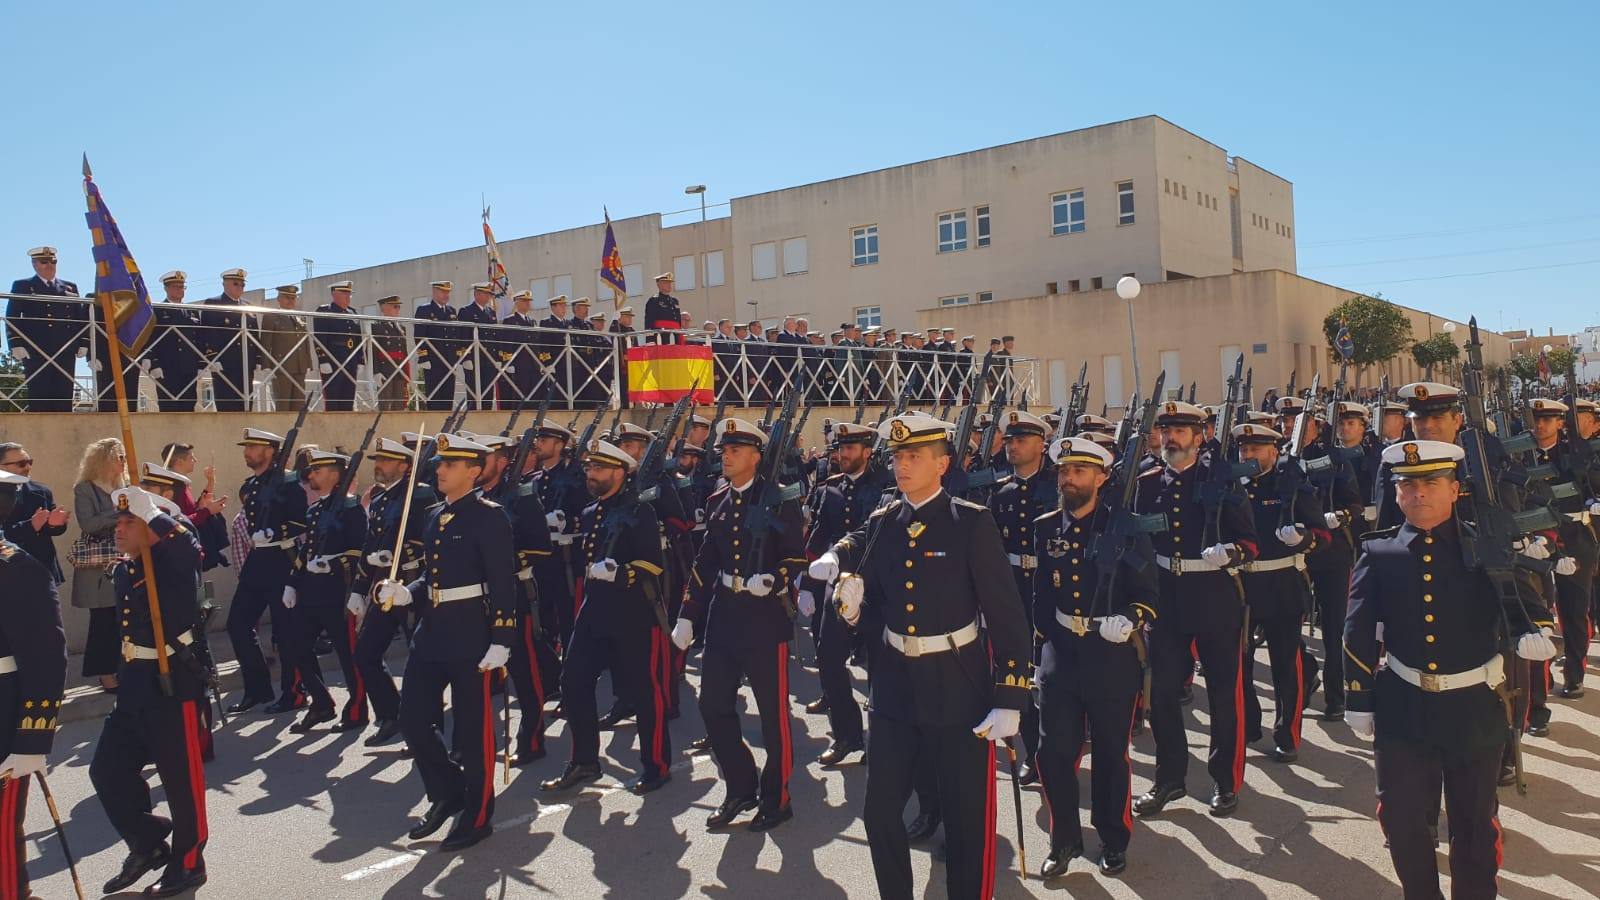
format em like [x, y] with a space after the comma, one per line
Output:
[466, 602]
[1088, 684]
[1574, 591]
[1278, 591]
[930, 573]
[223, 343]
[591, 376]
[552, 350]
[517, 351]
[338, 345]
[560, 487]
[1432, 702]
[438, 350]
[1202, 605]
[33, 675]
[148, 726]
[618, 627]
[320, 578]
[378, 625]
[274, 506]
[481, 367]
[663, 311]
[740, 603]
[50, 332]
[174, 353]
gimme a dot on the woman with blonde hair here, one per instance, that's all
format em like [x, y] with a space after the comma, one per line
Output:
[103, 470]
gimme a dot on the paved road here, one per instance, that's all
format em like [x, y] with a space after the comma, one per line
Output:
[322, 816]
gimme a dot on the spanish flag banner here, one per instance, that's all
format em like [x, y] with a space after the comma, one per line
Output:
[662, 373]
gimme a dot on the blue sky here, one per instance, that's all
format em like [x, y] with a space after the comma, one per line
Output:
[1429, 143]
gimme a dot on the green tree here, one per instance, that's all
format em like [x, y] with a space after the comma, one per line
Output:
[1439, 350]
[1378, 328]
[1525, 366]
[12, 392]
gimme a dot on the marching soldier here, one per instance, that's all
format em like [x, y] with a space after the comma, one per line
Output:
[1432, 706]
[283, 337]
[46, 336]
[1575, 570]
[932, 576]
[174, 354]
[480, 365]
[738, 601]
[1344, 489]
[620, 625]
[516, 350]
[1089, 674]
[438, 348]
[1202, 605]
[338, 349]
[33, 676]
[468, 622]
[559, 482]
[223, 341]
[389, 356]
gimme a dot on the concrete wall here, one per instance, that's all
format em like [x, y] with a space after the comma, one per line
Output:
[685, 240]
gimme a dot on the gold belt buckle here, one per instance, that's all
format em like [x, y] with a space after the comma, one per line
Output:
[433, 595]
[127, 652]
[910, 647]
[738, 583]
[1430, 683]
[1079, 625]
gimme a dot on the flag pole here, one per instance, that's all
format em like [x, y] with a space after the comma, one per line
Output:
[109, 315]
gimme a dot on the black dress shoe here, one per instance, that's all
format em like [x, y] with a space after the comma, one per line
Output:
[461, 838]
[922, 827]
[1570, 691]
[136, 866]
[1027, 775]
[1056, 864]
[839, 752]
[1156, 799]
[699, 745]
[1223, 803]
[1186, 697]
[322, 646]
[1113, 863]
[529, 756]
[1284, 754]
[177, 880]
[1541, 729]
[284, 704]
[434, 818]
[246, 704]
[574, 774]
[350, 726]
[818, 706]
[1333, 713]
[645, 785]
[614, 717]
[314, 716]
[766, 820]
[730, 810]
[387, 729]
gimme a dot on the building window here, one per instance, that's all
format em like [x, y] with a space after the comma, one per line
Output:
[953, 231]
[986, 296]
[958, 300]
[1166, 186]
[764, 261]
[1096, 283]
[540, 289]
[1074, 286]
[982, 214]
[1124, 203]
[1170, 364]
[633, 274]
[794, 256]
[683, 273]
[714, 273]
[864, 246]
[1186, 192]
[561, 286]
[1066, 213]
[869, 316]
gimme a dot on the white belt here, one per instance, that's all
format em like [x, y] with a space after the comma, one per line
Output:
[740, 582]
[283, 544]
[1023, 560]
[1182, 566]
[464, 592]
[699, 526]
[913, 646]
[525, 573]
[1078, 625]
[132, 651]
[1579, 517]
[1491, 673]
[561, 538]
[1297, 561]
[411, 566]
[8, 665]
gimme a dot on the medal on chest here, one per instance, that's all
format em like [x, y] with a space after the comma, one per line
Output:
[444, 519]
[915, 529]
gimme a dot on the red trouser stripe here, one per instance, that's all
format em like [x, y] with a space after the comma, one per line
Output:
[1127, 805]
[8, 840]
[658, 697]
[358, 691]
[1299, 699]
[783, 721]
[577, 596]
[538, 685]
[488, 754]
[986, 889]
[197, 779]
[1238, 724]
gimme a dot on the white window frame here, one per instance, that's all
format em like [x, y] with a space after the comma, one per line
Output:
[956, 219]
[795, 253]
[869, 317]
[764, 261]
[864, 245]
[1172, 364]
[716, 275]
[1125, 189]
[685, 277]
[986, 296]
[1068, 199]
[983, 234]
[956, 300]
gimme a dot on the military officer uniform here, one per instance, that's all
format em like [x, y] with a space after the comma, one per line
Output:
[389, 358]
[663, 310]
[223, 339]
[50, 333]
[174, 352]
[482, 365]
[338, 343]
[438, 351]
[285, 343]
[553, 352]
[560, 487]
[1574, 589]
[1343, 485]
[519, 356]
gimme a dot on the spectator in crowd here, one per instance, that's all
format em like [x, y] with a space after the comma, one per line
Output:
[102, 470]
[35, 520]
[207, 511]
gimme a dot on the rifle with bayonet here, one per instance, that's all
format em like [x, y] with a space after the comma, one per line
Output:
[1193, 386]
[982, 474]
[763, 516]
[1292, 476]
[1289, 391]
[1076, 400]
[1242, 414]
[957, 476]
[337, 501]
[572, 477]
[283, 457]
[1223, 486]
[519, 460]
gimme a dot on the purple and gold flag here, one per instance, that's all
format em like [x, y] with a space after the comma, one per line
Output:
[115, 273]
[611, 265]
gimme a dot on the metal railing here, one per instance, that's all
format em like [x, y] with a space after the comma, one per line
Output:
[218, 357]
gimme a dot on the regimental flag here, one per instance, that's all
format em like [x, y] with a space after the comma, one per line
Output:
[1343, 341]
[497, 270]
[1544, 367]
[116, 275]
[611, 268]
[661, 373]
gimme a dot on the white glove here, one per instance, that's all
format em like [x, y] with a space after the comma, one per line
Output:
[604, 570]
[424, 365]
[808, 604]
[356, 604]
[683, 634]
[1535, 648]
[999, 724]
[141, 502]
[759, 585]
[824, 567]
[82, 352]
[1594, 507]
[848, 593]
[1360, 722]
[1377, 632]
[157, 374]
[318, 565]
[1547, 631]
[1370, 513]
[325, 368]
[21, 765]
[262, 538]
[1290, 535]
[93, 363]
[699, 517]
[557, 521]
[20, 354]
[290, 597]
[511, 370]
[1333, 519]
[1534, 548]
[380, 558]
[495, 657]
[1566, 565]
[393, 593]
[1219, 554]
[1116, 629]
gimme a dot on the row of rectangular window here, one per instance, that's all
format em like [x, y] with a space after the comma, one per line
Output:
[1181, 191]
[1263, 223]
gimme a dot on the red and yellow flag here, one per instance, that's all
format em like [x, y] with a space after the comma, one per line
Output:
[662, 373]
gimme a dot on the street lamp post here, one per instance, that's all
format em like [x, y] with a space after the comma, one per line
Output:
[705, 267]
[1128, 288]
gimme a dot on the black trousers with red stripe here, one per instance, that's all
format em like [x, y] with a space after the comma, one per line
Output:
[13, 847]
[638, 659]
[164, 731]
[531, 661]
[372, 642]
[1282, 633]
[963, 765]
[767, 667]
[422, 707]
[323, 617]
[1073, 707]
[1409, 776]
[1171, 666]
